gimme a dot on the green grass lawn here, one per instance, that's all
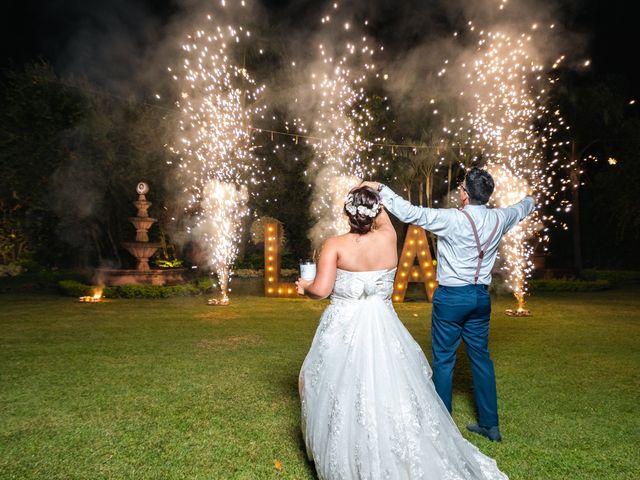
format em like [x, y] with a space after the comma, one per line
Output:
[159, 389]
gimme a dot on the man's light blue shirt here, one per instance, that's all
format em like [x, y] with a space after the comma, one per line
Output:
[457, 251]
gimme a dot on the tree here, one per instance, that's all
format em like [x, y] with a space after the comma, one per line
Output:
[113, 146]
[285, 194]
[70, 157]
[593, 111]
[617, 218]
[36, 112]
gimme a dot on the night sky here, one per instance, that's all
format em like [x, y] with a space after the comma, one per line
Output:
[51, 29]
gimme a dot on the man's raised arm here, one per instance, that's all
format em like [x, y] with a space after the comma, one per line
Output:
[517, 212]
[434, 220]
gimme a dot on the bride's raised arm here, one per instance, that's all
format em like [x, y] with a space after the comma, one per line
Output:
[322, 285]
[383, 222]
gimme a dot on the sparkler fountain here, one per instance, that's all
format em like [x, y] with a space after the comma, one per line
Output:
[338, 83]
[218, 100]
[509, 121]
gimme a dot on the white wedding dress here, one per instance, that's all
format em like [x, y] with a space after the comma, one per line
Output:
[369, 408]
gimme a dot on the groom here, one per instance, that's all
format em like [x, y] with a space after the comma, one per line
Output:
[467, 246]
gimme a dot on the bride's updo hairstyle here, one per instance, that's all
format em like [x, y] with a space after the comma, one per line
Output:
[362, 206]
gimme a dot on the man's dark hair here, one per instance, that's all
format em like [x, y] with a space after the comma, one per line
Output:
[479, 185]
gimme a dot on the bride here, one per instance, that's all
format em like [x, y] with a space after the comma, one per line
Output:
[369, 408]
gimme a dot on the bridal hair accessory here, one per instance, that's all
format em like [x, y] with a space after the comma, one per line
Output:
[361, 209]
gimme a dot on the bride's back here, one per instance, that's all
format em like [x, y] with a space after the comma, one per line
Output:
[375, 250]
[369, 246]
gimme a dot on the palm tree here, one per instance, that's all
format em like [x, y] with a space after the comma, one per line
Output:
[576, 157]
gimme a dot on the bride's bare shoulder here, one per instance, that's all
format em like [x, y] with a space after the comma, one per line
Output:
[341, 238]
[333, 242]
[340, 242]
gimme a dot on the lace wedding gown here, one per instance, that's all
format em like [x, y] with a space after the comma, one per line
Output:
[369, 408]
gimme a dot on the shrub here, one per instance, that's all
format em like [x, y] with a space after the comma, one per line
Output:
[250, 261]
[290, 272]
[151, 291]
[43, 281]
[568, 285]
[259, 273]
[255, 261]
[204, 284]
[10, 270]
[248, 273]
[257, 230]
[616, 277]
[74, 288]
[289, 261]
[29, 265]
[175, 263]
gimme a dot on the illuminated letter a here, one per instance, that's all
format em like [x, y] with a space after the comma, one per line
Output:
[415, 246]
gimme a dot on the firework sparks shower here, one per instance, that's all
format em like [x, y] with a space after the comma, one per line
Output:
[512, 126]
[217, 102]
[339, 84]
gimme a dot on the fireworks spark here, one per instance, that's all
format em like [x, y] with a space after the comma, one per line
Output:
[513, 127]
[339, 83]
[510, 126]
[218, 101]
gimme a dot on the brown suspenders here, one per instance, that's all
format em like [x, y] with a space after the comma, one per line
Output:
[481, 248]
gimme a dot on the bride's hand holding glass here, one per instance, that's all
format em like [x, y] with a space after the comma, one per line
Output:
[301, 284]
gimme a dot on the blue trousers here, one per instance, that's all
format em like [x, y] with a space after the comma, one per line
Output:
[463, 313]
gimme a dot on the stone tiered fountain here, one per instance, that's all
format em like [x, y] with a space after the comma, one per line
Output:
[142, 250]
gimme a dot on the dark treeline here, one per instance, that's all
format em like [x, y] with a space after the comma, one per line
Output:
[71, 155]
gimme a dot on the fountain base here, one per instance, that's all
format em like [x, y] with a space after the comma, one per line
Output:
[114, 277]
[519, 312]
[219, 302]
[88, 299]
